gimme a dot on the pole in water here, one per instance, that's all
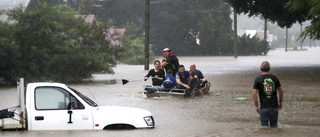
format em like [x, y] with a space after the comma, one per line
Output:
[124, 81]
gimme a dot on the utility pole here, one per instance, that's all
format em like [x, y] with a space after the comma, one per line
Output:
[146, 34]
[265, 29]
[286, 39]
[301, 38]
[235, 33]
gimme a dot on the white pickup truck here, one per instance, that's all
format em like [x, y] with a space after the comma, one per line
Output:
[55, 106]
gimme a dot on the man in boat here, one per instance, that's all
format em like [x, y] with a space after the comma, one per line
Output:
[182, 77]
[170, 61]
[197, 74]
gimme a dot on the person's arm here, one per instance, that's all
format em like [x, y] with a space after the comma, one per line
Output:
[163, 64]
[280, 90]
[255, 100]
[148, 75]
[201, 76]
[181, 84]
[159, 78]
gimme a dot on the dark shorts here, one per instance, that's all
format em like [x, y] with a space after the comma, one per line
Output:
[269, 117]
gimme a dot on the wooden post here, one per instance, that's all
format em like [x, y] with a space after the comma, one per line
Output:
[146, 34]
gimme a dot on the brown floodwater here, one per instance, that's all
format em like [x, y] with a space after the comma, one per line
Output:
[217, 114]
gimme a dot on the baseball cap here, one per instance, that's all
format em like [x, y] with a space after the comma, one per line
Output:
[265, 66]
[166, 50]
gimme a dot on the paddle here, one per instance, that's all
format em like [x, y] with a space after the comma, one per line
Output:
[124, 81]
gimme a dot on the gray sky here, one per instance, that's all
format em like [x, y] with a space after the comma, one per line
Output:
[10, 4]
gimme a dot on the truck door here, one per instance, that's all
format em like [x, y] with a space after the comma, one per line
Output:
[50, 111]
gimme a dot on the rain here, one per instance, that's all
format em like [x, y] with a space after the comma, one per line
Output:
[218, 114]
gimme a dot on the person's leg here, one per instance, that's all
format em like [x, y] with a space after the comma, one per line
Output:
[274, 112]
[264, 117]
[200, 91]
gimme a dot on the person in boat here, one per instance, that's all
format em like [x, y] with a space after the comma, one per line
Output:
[170, 61]
[197, 74]
[169, 80]
[157, 74]
[182, 77]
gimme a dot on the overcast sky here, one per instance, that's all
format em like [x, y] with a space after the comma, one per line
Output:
[9, 4]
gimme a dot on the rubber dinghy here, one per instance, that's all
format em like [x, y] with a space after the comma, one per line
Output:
[158, 91]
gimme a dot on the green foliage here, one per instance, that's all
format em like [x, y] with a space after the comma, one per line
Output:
[252, 46]
[312, 7]
[284, 13]
[188, 27]
[273, 10]
[51, 43]
[132, 50]
[180, 25]
[8, 53]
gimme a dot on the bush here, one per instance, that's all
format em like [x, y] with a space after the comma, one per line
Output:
[252, 46]
[51, 44]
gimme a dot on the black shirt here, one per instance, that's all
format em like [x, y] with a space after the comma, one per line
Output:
[196, 72]
[172, 63]
[152, 73]
[267, 85]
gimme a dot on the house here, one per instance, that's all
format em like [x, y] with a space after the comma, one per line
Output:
[114, 35]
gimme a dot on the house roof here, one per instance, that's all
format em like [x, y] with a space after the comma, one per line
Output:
[114, 34]
[119, 31]
[90, 19]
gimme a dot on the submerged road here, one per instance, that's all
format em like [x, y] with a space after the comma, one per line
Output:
[215, 115]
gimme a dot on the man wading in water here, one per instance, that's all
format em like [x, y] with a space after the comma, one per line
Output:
[267, 85]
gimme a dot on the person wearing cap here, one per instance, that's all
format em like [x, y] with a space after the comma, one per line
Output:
[170, 61]
[267, 86]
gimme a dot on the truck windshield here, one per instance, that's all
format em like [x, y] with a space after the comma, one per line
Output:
[85, 98]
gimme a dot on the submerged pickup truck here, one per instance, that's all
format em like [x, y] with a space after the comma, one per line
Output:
[55, 106]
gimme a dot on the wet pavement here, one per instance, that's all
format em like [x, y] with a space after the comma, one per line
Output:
[215, 115]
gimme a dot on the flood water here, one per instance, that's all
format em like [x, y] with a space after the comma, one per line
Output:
[215, 115]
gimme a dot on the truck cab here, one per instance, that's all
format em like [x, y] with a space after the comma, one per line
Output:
[55, 106]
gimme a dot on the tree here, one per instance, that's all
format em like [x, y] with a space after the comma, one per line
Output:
[188, 27]
[252, 46]
[132, 48]
[8, 52]
[273, 10]
[312, 7]
[51, 43]
[191, 27]
[284, 12]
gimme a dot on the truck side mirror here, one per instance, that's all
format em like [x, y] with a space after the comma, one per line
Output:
[70, 105]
